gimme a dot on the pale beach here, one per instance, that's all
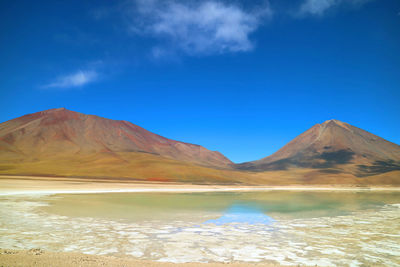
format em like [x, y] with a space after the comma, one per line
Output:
[148, 224]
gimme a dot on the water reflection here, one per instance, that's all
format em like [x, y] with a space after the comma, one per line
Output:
[310, 228]
[199, 207]
[242, 213]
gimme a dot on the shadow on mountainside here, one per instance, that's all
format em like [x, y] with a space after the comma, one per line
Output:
[324, 160]
[378, 167]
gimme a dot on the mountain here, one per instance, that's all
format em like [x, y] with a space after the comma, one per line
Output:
[64, 143]
[54, 141]
[61, 131]
[333, 147]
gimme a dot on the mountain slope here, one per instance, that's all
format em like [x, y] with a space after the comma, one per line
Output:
[64, 143]
[333, 147]
[64, 133]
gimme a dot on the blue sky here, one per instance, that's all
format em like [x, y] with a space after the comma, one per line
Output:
[240, 77]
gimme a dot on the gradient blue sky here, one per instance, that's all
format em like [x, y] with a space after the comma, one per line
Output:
[240, 77]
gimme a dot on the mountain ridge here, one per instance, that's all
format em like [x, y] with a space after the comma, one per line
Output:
[60, 142]
[91, 133]
[329, 145]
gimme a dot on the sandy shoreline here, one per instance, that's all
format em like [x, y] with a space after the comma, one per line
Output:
[37, 257]
[26, 185]
[37, 186]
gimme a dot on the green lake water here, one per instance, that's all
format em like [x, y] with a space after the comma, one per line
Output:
[191, 206]
[351, 228]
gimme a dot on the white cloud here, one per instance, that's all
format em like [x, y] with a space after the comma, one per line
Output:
[319, 7]
[197, 28]
[76, 79]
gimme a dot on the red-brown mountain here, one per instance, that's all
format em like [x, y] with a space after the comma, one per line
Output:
[333, 147]
[60, 142]
[61, 132]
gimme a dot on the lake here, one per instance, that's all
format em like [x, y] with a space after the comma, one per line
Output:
[286, 227]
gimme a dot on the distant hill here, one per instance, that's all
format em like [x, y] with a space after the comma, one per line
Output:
[333, 147]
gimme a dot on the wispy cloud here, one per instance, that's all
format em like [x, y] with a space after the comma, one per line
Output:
[197, 28]
[77, 79]
[320, 7]
[317, 7]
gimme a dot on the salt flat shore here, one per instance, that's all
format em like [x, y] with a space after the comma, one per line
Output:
[37, 257]
[28, 185]
[26, 223]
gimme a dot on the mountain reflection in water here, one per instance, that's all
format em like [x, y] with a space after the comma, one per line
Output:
[242, 213]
